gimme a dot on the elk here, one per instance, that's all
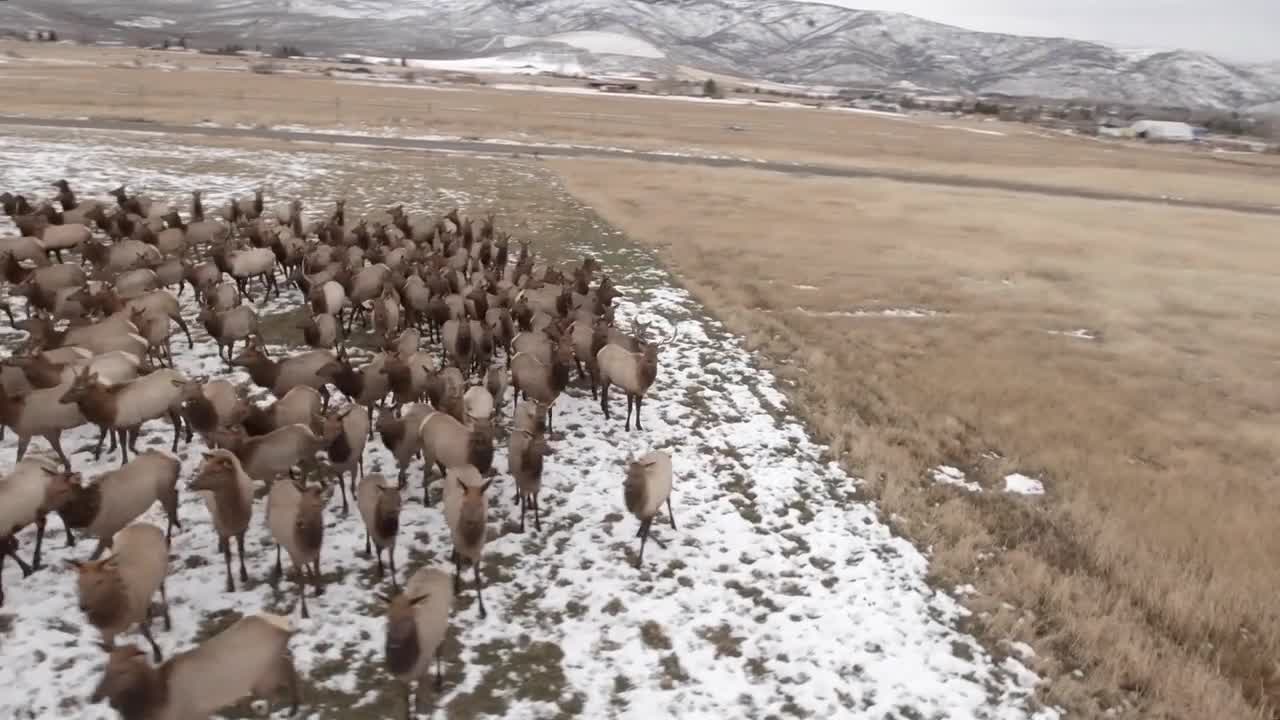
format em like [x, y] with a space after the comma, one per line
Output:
[539, 381]
[646, 487]
[634, 372]
[123, 408]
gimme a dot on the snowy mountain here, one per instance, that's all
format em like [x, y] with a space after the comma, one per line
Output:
[780, 40]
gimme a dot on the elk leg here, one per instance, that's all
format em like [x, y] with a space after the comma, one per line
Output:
[11, 550]
[35, 558]
[369, 551]
[279, 571]
[670, 513]
[479, 589]
[537, 514]
[176, 419]
[145, 627]
[71, 539]
[319, 579]
[604, 398]
[55, 442]
[628, 426]
[23, 442]
[100, 548]
[523, 504]
[226, 554]
[102, 435]
[302, 592]
[644, 535]
[244, 574]
[638, 401]
[391, 560]
[457, 572]
[164, 597]
[439, 674]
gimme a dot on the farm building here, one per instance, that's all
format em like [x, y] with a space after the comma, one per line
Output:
[1166, 130]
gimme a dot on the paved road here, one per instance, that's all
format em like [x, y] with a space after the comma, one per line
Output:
[481, 146]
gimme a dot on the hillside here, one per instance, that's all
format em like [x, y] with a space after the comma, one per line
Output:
[771, 39]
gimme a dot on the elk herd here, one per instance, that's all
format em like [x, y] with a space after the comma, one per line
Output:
[417, 326]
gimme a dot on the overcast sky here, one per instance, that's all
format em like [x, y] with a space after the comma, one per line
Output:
[1235, 29]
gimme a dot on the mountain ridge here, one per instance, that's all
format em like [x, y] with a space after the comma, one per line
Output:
[809, 43]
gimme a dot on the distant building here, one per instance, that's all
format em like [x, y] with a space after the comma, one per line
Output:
[1165, 130]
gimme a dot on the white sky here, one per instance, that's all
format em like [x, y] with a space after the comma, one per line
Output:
[1235, 29]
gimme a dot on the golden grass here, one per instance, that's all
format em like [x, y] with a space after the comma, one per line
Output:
[188, 88]
[1149, 566]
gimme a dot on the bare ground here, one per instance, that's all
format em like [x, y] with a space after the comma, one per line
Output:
[1144, 576]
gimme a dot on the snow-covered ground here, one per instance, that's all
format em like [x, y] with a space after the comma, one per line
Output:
[146, 22]
[779, 593]
[1023, 485]
[593, 41]
[514, 63]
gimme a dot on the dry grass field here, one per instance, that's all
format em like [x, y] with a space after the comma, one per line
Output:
[45, 80]
[1146, 573]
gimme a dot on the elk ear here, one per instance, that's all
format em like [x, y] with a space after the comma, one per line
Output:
[75, 564]
[419, 599]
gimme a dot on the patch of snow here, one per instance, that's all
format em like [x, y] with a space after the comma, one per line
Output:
[947, 475]
[146, 22]
[533, 63]
[1023, 649]
[885, 312]
[831, 587]
[1079, 333]
[1025, 677]
[400, 83]
[979, 131]
[864, 111]
[1022, 485]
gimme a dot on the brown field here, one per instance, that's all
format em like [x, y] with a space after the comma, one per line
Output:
[186, 88]
[1148, 566]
